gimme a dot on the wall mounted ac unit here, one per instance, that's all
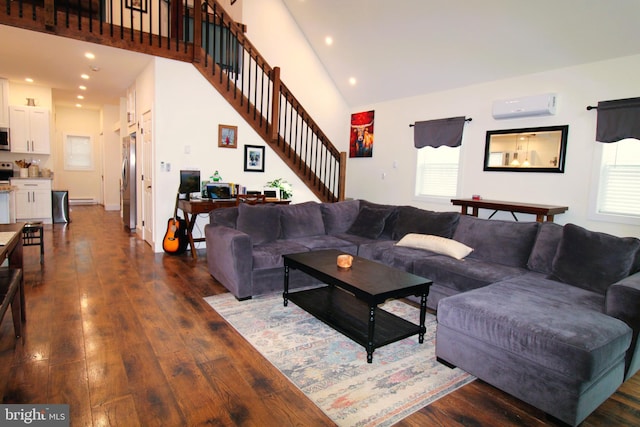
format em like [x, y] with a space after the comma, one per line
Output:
[538, 105]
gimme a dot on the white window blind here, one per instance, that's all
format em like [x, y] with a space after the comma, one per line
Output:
[437, 171]
[619, 190]
[78, 152]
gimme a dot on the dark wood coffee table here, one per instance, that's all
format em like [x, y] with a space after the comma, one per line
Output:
[349, 302]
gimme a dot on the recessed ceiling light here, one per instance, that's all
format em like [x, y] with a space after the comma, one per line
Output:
[79, 105]
[82, 87]
[352, 81]
[28, 80]
[80, 97]
[89, 55]
[328, 40]
[85, 76]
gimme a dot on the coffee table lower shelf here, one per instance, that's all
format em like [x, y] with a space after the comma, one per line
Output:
[350, 316]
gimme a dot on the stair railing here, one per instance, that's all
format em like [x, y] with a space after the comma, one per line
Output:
[229, 61]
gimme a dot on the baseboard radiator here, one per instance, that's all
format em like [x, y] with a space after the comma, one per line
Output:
[83, 201]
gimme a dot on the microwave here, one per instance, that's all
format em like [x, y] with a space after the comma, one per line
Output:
[4, 139]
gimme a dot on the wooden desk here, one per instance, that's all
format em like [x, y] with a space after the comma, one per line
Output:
[192, 208]
[13, 251]
[542, 212]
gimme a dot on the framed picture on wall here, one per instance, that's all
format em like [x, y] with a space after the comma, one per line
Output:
[139, 5]
[361, 137]
[253, 158]
[227, 136]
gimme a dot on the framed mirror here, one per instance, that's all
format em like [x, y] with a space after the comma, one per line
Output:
[541, 149]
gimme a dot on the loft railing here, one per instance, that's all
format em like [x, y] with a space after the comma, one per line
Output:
[224, 55]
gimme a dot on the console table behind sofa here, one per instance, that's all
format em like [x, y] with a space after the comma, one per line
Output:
[542, 212]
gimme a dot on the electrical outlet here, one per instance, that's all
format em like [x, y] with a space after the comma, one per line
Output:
[168, 167]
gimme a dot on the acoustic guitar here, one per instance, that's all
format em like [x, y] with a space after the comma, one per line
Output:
[175, 239]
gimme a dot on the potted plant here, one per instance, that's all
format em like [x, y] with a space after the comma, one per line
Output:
[286, 191]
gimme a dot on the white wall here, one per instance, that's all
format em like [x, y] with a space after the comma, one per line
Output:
[80, 184]
[187, 112]
[112, 152]
[576, 87]
[270, 27]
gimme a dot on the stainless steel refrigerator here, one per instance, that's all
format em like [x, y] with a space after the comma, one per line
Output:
[128, 182]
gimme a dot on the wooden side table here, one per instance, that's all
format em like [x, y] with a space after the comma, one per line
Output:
[542, 212]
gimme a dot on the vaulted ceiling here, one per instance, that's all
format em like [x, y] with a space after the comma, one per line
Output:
[393, 49]
[402, 48]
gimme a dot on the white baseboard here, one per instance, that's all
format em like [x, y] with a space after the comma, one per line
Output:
[83, 201]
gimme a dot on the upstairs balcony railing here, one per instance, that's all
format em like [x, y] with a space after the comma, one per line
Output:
[201, 32]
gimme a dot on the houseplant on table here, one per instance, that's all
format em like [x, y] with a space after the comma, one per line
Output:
[286, 191]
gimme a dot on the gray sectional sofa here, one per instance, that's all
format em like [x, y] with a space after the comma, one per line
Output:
[547, 313]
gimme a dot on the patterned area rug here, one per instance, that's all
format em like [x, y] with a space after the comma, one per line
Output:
[333, 371]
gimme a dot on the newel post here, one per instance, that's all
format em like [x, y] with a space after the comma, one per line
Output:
[275, 104]
[342, 179]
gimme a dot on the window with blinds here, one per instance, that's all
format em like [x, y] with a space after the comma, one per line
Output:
[619, 189]
[437, 171]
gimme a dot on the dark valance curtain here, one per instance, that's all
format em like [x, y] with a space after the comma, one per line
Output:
[618, 119]
[434, 133]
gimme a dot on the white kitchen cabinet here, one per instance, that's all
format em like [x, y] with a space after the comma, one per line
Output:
[33, 199]
[29, 130]
[4, 103]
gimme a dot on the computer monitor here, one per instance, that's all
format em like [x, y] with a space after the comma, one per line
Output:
[189, 182]
[219, 191]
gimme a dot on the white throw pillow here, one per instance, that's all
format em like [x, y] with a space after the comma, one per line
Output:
[436, 244]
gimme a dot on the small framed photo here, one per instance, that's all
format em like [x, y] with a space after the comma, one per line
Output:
[139, 5]
[253, 158]
[227, 136]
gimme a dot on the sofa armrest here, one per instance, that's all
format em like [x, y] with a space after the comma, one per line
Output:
[229, 258]
[623, 302]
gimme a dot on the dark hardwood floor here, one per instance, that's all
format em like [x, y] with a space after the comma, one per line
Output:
[125, 338]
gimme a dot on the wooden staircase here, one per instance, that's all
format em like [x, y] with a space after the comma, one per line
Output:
[218, 48]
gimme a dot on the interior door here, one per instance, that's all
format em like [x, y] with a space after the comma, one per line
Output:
[147, 182]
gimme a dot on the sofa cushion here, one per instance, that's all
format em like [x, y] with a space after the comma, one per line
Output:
[551, 324]
[339, 216]
[370, 222]
[226, 217]
[545, 247]
[261, 223]
[366, 246]
[421, 221]
[301, 220]
[436, 244]
[316, 243]
[401, 257]
[593, 260]
[269, 255]
[463, 275]
[502, 242]
[390, 222]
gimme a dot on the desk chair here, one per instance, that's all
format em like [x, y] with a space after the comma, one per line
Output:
[250, 199]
